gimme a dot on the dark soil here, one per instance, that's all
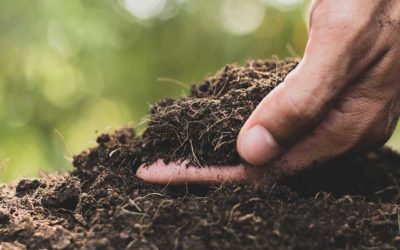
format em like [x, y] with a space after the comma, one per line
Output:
[202, 128]
[345, 204]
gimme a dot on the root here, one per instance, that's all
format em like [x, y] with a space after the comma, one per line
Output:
[194, 154]
[147, 195]
[231, 212]
[163, 203]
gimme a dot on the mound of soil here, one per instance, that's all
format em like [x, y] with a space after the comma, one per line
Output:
[348, 203]
[202, 128]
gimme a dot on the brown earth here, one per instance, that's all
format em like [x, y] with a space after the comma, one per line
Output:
[348, 203]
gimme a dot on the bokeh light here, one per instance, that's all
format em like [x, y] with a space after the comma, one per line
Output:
[242, 17]
[145, 9]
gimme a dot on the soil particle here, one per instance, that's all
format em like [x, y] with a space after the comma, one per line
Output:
[350, 203]
[63, 195]
[25, 186]
[4, 217]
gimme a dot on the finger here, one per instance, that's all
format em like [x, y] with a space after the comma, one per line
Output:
[333, 60]
[337, 135]
[365, 116]
[180, 174]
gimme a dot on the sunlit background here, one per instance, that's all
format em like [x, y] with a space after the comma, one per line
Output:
[71, 68]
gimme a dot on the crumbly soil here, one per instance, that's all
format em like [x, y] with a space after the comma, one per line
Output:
[349, 203]
[202, 128]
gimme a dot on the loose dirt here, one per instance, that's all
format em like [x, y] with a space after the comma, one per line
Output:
[349, 203]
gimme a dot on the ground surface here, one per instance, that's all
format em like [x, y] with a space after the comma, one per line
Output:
[348, 203]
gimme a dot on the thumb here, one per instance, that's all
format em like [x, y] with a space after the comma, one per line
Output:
[299, 103]
[286, 114]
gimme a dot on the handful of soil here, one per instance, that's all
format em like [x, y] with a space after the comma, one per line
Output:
[349, 203]
[202, 128]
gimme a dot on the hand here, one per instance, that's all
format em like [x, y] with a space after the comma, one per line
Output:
[343, 97]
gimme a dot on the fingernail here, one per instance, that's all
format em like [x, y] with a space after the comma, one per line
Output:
[257, 146]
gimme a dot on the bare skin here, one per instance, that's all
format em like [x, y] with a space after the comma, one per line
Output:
[343, 97]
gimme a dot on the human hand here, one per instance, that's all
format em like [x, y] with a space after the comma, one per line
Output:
[343, 97]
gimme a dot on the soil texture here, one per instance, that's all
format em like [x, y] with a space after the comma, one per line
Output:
[350, 203]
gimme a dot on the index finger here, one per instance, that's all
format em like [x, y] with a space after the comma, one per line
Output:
[180, 174]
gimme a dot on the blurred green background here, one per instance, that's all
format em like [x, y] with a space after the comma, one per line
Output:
[71, 68]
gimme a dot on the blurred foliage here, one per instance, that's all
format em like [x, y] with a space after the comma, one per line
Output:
[70, 68]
